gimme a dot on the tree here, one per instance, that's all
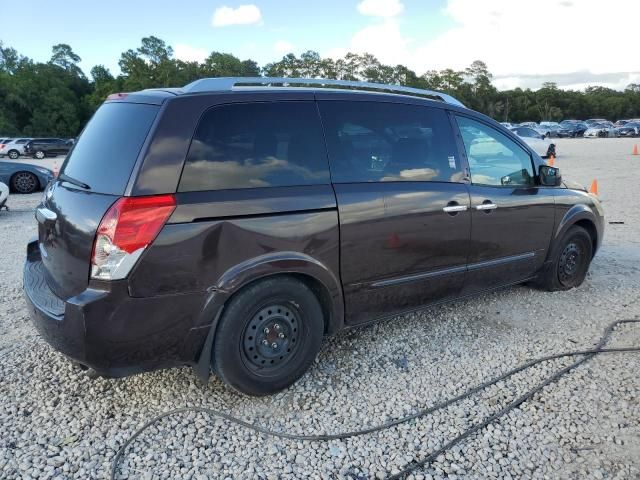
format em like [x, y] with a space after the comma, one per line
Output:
[9, 59]
[64, 57]
[104, 84]
[56, 98]
[222, 65]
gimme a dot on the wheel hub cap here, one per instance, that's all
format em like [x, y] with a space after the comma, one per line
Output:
[570, 261]
[271, 335]
[24, 182]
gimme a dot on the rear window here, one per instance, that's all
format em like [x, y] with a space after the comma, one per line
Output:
[106, 151]
[252, 145]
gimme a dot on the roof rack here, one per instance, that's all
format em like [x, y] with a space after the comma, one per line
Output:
[224, 84]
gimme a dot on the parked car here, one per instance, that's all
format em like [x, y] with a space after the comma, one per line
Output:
[24, 178]
[47, 147]
[507, 124]
[553, 130]
[576, 129]
[14, 148]
[630, 129]
[562, 132]
[235, 222]
[4, 195]
[600, 130]
[538, 143]
[4, 141]
[620, 123]
[592, 121]
[528, 124]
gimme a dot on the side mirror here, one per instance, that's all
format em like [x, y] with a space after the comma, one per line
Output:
[549, 176]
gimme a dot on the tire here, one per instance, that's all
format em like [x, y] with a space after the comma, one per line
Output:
[14, 154]
[551, 150]
[39, 154]
[24, 182]
[268, 336]
[569, 261]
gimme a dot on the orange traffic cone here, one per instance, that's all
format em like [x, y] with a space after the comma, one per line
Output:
[594, 187]
[552, 160]
[635, 149]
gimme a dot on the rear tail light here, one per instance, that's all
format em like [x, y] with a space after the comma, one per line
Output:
[128, 227]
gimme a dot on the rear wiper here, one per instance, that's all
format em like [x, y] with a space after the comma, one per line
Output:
[73, 181]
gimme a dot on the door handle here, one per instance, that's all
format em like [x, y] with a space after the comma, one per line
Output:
[487, 205]
[453, 208]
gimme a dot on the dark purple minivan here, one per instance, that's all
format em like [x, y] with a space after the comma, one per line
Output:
[235, 222]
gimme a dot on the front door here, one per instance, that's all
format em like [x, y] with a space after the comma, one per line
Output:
[402, 202]
[512, 217]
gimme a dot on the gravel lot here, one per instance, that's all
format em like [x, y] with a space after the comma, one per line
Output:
[57, 423]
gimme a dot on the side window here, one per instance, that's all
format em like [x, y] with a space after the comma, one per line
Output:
[389, 142]
[250, 145]
[494, 159]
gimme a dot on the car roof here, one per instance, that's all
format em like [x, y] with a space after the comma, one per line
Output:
[283, 85]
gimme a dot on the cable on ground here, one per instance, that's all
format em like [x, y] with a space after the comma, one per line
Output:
[416, 464]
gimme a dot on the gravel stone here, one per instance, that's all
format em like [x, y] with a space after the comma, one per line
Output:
[58, 423]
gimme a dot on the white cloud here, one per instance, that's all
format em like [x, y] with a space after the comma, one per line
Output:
[188, 53]
[384, 40]
[380, 8]
[282, 47]
[523, 44]
[243, 15]
[547, 37]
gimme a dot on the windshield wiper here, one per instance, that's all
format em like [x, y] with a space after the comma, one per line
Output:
[73, 181]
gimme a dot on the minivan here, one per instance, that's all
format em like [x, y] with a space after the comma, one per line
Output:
[236, 222]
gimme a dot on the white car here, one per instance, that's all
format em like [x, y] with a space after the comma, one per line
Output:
[600, 130]
[14, 148]
[4, 194]
[539, 144]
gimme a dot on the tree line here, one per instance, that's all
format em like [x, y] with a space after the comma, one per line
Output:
[56, 98]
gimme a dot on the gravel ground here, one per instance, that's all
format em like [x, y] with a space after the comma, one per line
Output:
[57, 423]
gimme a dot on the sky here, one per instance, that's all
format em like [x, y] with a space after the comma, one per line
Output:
[574, 43]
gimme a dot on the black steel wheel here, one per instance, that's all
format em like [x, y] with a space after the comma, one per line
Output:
[568, 262]
[571, 262]
[268, 336]
[14, 154]
[24, 182]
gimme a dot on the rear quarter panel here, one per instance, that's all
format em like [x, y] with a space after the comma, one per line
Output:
[208, 246]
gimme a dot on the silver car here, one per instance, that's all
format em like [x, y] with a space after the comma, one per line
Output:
[14, 148]
[601, 130]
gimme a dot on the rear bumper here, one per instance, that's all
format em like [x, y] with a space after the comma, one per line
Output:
[111, 332]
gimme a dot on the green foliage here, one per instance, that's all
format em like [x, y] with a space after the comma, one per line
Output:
[56, 98]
